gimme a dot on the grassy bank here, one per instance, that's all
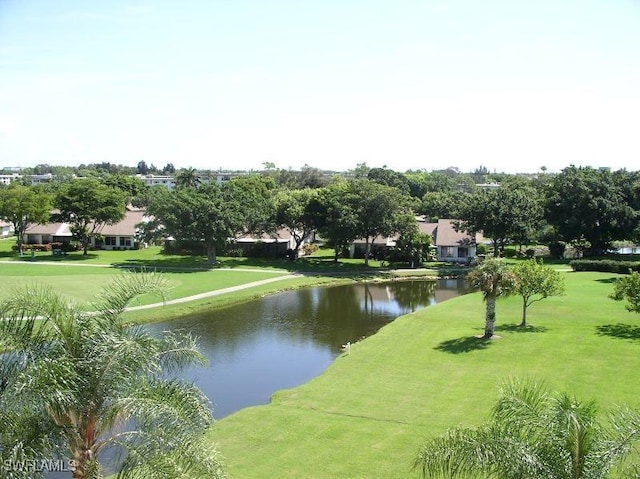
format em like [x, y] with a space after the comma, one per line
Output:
[367, 415]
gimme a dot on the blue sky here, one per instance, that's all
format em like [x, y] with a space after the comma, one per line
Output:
[511, 85]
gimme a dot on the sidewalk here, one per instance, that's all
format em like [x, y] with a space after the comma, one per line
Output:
[215, 292]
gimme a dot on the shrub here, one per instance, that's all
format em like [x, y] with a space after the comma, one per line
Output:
[556, 249]
[65, 247]
[481, 249]
[529, 253]
[605, 265]
[310, 248]
[510, 253]
[235, 252]
[33, 247]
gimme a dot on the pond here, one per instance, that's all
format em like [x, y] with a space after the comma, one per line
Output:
[284, 340]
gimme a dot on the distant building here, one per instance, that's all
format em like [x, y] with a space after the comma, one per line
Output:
[8, 179]
[40, 179]
[158, 180]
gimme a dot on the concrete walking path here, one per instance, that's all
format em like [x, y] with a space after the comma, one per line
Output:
[215, 292]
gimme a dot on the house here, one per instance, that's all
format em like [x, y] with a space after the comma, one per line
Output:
[276, 244]
[121, 235]
[452, 246]
[6, 229]
[47, 233]
[376, 246]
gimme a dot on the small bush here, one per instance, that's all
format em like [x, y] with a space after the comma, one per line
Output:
[33, 247]
[235, 252]
[481, 249]
[556, 249]
[510, 253]
[65, 247]
[310, 248]
[529, 253]
[605, 265]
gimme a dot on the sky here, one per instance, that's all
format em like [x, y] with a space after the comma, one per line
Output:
[511, 85]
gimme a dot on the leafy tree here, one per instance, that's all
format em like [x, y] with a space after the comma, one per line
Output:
[87, 205]
[212, 215]
[494, 280]
[23, 206]
[337, 220]
[533, 434]
[169, 169]
[380, 210]
[388, 177]
[502, 214]
[188, 178]
[131, 186]
[628, 287]
[142, 168]
[413, 246]
[436, 205]
[535, 283]
[585, 204]
[298, 212]
[79, 383]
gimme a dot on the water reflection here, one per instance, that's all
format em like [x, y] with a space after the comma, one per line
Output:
[284, 340]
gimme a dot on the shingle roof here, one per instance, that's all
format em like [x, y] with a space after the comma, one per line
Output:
[126, 227]
[446, 235]
[53, 229]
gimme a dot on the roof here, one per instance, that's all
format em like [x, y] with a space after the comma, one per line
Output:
[52, 229]
[282, 235]
[126, 227]
[445, 234]
[379, 240]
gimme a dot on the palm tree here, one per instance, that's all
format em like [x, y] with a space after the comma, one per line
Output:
[494, 280]
[188, 178]
[532, 434]
[74, 384]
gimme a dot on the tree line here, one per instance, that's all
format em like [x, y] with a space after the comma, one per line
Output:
[584, 207]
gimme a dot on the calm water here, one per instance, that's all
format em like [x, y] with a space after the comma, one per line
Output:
[284, 340]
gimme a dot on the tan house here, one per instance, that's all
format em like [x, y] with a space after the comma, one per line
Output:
[452, 246]
[121, 235]
[276, 244]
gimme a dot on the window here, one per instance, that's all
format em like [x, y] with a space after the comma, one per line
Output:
[110, 240]
[448, 251]
[125, 241]
[463, 252]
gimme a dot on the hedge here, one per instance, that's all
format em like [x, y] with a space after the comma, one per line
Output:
[605, 265]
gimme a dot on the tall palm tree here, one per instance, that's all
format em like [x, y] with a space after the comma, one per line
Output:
[534, 435]
[494, 280]
[188, 178]
[75, 384]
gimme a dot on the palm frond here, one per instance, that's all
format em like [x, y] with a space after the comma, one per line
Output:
[114, 298]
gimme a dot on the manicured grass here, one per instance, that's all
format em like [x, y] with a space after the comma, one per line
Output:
[82, 283]
[368, 414]
[197, 307]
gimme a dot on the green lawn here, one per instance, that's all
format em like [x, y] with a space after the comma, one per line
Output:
[367, 415]
[82, 283]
